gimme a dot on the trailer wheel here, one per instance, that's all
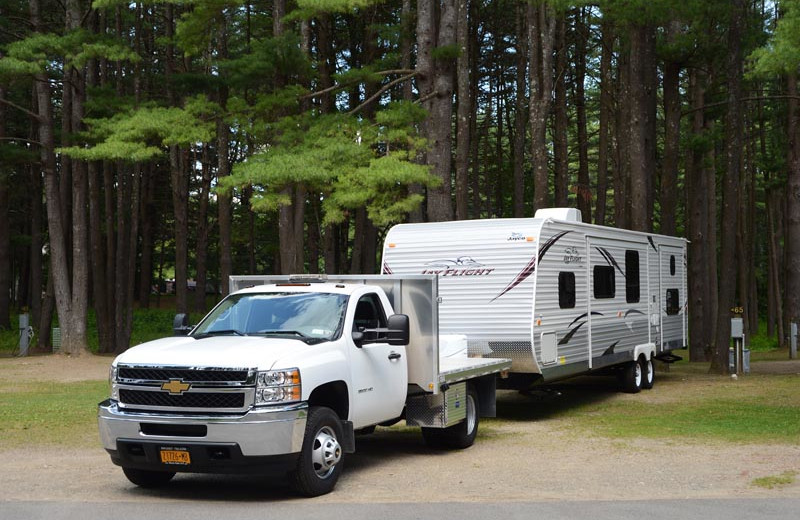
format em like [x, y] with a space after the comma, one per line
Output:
[322, 457]
[648, 373]
[148, 479]
[458, 436]
[632, 377]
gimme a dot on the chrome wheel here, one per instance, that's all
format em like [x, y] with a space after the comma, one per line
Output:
[472, 414]
[325, 452]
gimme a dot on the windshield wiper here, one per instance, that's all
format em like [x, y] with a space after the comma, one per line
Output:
[223, 332]
[282, 331]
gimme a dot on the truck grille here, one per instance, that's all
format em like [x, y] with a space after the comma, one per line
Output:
[188, 400]
[187, 375]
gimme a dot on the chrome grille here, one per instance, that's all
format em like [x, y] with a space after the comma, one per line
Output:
[188, 375]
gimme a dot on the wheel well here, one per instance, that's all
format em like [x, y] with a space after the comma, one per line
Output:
[332, 395]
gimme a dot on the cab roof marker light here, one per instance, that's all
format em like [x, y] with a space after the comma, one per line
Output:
[308, 278]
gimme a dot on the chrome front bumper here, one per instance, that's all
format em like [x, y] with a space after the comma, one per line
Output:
[259, 432]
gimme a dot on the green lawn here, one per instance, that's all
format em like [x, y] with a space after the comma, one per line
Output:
[35, 413]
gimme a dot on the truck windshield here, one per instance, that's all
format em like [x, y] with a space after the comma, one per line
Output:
[311, 317]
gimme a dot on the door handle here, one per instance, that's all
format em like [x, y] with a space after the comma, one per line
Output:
[393, 356]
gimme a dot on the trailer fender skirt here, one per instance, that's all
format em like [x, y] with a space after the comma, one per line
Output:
[668, 357]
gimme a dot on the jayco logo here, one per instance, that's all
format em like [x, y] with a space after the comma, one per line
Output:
[571, 255]
[516, 237]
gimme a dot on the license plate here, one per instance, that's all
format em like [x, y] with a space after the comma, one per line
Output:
[173, 456]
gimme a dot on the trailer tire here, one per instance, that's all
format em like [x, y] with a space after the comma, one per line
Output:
[148, 479]
[648, 373]
[632, 377]
[321, 457]
[458, 436]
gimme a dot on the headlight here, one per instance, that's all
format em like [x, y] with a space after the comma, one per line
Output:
[278, 386]
[112, 380]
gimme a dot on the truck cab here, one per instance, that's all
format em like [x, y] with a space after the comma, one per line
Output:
[240, 390]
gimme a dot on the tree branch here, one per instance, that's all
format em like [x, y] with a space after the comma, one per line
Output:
[755, 98]
[22, 139]
[20, 108]
[343, 85]
[380, 92]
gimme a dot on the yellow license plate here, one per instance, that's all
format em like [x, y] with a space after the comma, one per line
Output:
[175, 457]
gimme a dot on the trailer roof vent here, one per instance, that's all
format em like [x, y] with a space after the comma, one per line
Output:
[569, 214]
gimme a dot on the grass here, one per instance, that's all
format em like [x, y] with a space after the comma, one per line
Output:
[784, 479]
[688, 405]
[49, 414]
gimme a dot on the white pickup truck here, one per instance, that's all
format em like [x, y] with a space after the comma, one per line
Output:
[284, 372]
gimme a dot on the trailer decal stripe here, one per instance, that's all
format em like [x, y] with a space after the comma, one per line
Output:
[610, 350]
[610, 259]
[531, 267]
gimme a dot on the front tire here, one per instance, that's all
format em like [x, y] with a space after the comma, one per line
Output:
[458, 436]
[322, 457]
[148, 479]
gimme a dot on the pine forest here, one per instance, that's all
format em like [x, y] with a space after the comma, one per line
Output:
[188, 140]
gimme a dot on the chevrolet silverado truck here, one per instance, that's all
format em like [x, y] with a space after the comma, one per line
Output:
[284, 372]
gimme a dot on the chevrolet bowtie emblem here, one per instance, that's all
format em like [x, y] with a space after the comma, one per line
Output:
[176, 386]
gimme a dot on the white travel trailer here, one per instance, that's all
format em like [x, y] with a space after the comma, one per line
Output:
[556, 296]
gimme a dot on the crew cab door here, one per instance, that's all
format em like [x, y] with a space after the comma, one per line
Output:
[379, 371]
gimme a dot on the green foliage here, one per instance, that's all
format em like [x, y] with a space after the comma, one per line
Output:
[310, 7]
[141, 134]
[445, 52]
[781, 55]
[39, 52]
[355, 163]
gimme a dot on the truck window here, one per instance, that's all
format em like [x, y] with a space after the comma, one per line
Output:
[369, 313]
[604, 282]
[632, 285]
[566, 290]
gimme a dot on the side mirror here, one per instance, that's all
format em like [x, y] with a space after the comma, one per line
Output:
[358, 338]
[398, 329]
[180, 325]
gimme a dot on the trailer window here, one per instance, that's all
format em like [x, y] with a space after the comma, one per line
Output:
[673, 302]
[566, 290]
[632, 276]
[672, 265]
[604, 282]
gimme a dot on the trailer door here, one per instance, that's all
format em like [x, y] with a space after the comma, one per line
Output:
[672, 296]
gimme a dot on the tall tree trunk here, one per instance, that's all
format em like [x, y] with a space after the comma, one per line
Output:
[560, 150]
[435, 77]
[464, 111]
[730, 188]
[792, 289]
[583, 190]
[638, 129]
[224, 198]
[622, 115]
[541, 38]
[520, 108]
[672, 132]
[5, 231]
[606, 107]
[699, 244]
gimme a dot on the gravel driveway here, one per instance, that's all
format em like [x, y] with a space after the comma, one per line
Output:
[518, 461]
